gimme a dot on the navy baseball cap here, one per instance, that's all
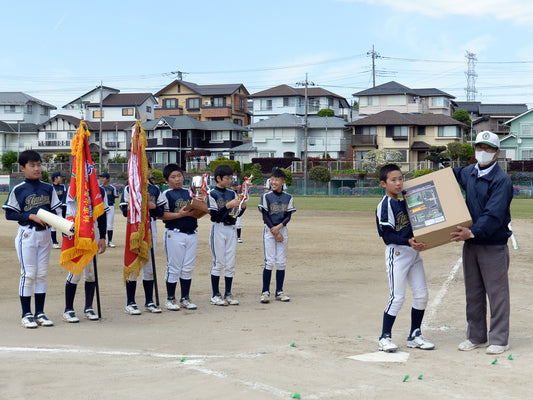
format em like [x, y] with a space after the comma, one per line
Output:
[104, 175]
[56, 174]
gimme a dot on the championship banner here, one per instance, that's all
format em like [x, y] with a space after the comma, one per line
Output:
[84, 206]
[138, 240]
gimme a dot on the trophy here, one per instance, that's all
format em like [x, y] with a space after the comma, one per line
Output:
[197, 204]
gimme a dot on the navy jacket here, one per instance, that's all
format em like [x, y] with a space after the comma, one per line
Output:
[488, 199]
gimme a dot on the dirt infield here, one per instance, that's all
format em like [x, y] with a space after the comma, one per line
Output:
[336, 278]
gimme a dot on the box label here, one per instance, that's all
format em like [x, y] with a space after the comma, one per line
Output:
[423, 205]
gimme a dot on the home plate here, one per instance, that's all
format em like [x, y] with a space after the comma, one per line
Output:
[381, 356]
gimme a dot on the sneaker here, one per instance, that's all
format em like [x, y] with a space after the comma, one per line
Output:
[417, 341]
[56, 246]
[497, 349]
[186, 304]
[265, 297]
[132, 309]
[282, 297]
[29, 322]
[386, 345]
[151, 307]
[218, 301]
[42, 320]
[239, 240]
[91, 315]
[70, 316]
[172, 305]
[111, 244]
[467, 345]
[232, 301]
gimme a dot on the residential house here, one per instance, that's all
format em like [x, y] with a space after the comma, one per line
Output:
[518, 144]
[284, 136]
[226, 102]
[490, 117]
[410, 134]
[396, 97]
[103, 106]
[23, 108]
[17, 136]
[284, 99]
[181, 138]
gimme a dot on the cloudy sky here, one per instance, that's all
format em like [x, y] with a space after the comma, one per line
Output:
[59, 50]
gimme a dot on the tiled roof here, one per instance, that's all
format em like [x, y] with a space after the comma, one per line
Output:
[205, 90]
[125, 99]
[20, 98]
[395, 118]
[287, 91]
[393, 87]
[502, 109]
[14, 128]
[94, 126]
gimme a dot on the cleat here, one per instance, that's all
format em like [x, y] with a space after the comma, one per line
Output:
[132, 309]
[186, 304]
[265, 297]
[56, 246]
[386, 345]
[417, 341]
[91, 315]
[151, 307]
[218, 301]
[467, 345]
[111, 244]
[232, 301]
[239, 240]
[280, 296]
[172, 305]
[70, 316]
[42, 320]
[29, 322]
[497, 349]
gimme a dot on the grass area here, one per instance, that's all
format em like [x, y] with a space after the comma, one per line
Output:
[520, 208]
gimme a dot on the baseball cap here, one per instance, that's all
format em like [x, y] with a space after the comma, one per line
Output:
[488, 138]
[56, 174]
[104, 175]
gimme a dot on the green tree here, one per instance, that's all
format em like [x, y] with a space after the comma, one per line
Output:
[235, 165]
[255, 170]
[438, 155]
[463, 116]
[62, 157]
[375, 159]
[288, 176]
[8, 159]
[118, 159]
[326, 112]
[319, 174]
[45, 177]
[459, 152]
[158, 175]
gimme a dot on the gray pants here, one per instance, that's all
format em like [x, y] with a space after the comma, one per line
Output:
[485, 271]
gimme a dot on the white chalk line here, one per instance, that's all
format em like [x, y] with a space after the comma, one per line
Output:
[431, 311]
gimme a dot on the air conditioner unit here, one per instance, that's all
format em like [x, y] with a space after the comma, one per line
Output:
[207, 103]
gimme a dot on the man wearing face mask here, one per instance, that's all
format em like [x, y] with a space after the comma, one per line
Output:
[489, 192]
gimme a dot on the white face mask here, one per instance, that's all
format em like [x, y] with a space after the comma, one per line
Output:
[484, 158]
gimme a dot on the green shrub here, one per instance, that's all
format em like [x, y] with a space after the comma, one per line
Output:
[423, 171]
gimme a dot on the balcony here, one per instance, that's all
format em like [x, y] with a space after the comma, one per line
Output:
[112, 145]
[54, 143]
[164, 142]
[364, 140]
[216, 112]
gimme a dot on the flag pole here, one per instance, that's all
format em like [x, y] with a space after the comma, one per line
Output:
[97, 286]
[153, 267]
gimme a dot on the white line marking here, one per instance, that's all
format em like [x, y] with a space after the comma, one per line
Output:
[381, 356]
[432, 309]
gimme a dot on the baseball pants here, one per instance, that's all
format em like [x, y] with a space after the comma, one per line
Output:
[33, 251]
[405, 266]
[223, 242]
[110, 216]
[180, 249]
[275, 252]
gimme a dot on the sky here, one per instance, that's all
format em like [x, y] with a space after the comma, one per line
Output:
[58, 50]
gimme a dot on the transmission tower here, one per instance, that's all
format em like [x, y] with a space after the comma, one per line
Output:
[471, 77]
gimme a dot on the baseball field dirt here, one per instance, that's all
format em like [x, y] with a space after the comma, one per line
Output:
[338, 286]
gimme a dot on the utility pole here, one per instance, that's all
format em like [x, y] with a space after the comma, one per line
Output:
[374, 56]
[100, 134]
[306, 84]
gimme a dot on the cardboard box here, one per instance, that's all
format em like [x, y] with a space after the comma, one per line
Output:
[435, 206]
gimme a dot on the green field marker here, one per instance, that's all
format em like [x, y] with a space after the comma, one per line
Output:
[405, 378]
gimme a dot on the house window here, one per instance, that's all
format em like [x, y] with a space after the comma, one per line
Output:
[70, 135]
[51, 135]
[193, 104]
[442, 102]
[266, 105]
[527, 154]
[127, 112]
[421, 130]
[10, 109]
[449, 131]
[369, 130]
[98, 114]
[45, 111]
[401, 132]
[396, 100]
[526, 129]
[359, 155]
[369, 101]
[169, 103]
[148, 109]
[285, 102]
[219, 101]
[29, 109]
[330, 102]
[112, 136]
